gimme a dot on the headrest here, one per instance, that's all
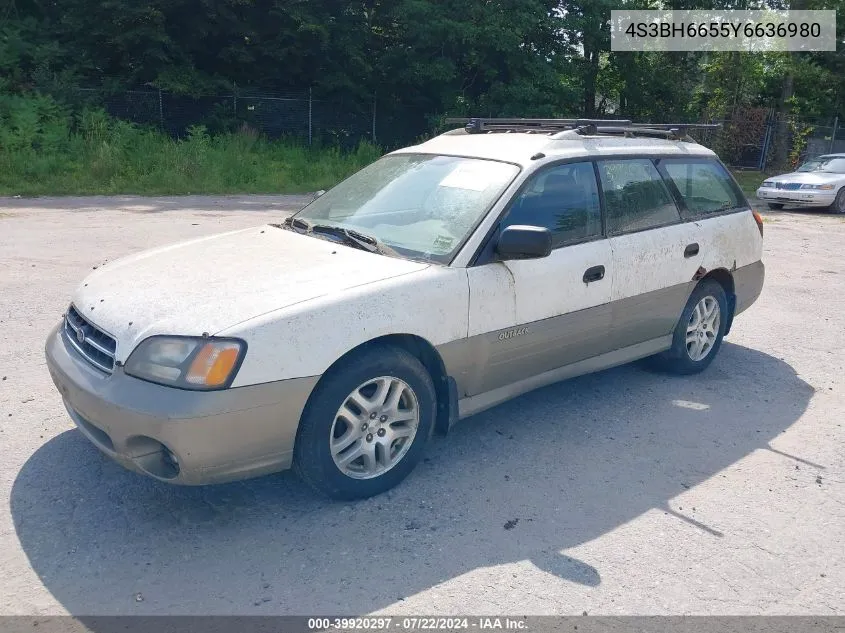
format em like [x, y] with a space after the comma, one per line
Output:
[560, 184]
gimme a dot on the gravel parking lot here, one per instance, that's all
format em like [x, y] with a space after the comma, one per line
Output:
[623, 492]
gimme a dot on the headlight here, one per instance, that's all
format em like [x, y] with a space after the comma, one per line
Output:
[202, 364]
[768, 183]
[817, 186]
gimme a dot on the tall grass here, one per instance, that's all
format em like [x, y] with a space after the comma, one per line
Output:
[749, 180]
[44, 150]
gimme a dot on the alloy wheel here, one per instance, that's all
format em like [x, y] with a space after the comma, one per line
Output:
[703, 328]
[374, 427]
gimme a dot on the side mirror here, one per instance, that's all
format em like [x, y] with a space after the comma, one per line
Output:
[524, 242]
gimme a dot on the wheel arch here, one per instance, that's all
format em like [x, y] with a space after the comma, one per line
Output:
[445, 387]
[725, 279]
[837, 205]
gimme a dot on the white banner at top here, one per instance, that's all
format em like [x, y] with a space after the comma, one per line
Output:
[715, 30]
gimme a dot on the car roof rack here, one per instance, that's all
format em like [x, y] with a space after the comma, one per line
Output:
[571, 128]
[544, 126]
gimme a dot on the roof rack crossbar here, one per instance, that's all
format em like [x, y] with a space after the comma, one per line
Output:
[637, 131]
[480, 125]
[560, 129]
[678, 126]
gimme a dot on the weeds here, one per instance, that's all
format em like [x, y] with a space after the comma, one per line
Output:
[749, 180]
[45, 150]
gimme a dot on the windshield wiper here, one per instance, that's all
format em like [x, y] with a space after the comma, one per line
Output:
[350, 237]
[294, 223]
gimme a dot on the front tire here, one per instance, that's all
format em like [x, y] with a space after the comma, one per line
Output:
[366, 425]
[699, 332]
[838, 205]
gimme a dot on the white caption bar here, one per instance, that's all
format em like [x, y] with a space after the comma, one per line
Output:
[705, 30]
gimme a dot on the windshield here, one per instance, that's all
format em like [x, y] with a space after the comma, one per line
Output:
[834, 165]
[421, 206]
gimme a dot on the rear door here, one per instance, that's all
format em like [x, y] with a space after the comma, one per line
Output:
[728, 234]
[655, 253]
[530, 316]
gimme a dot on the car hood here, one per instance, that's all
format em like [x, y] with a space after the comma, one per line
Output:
[209, 284]
[808, 177]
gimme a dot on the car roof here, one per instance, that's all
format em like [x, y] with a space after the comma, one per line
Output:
[519, 147]
[830, 156]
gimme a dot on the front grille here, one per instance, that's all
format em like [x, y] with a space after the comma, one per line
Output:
[96, 346]
[788, 186]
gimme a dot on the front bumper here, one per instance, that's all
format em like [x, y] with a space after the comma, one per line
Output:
[798, 197]
[183, 437]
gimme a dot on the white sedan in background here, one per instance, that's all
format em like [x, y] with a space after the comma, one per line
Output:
[820, 182]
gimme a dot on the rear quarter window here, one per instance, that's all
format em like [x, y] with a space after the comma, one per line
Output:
[704, 186]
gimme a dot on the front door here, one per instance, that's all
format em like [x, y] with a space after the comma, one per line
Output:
[530, 316]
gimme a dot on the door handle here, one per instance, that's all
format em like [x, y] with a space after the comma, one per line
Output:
[593, 274]
[691, 250]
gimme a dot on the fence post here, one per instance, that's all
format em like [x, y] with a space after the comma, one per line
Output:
[767, 141]
[309, 115]
[833, 136]
[374, 118]
[160, 110]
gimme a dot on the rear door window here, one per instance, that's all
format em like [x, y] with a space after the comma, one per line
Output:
[636, 198]
[704, 185]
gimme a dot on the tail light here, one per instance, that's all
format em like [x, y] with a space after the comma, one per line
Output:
[759, 220]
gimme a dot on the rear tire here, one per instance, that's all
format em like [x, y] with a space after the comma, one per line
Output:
[366, 424]
[699, 332]
[775, 205]
[838, 205]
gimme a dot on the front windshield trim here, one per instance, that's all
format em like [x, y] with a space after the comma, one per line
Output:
[474, 227]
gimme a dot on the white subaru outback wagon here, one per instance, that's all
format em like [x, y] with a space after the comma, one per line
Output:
[441, 280]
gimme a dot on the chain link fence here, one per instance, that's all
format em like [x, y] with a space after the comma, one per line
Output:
[826, 139]
[760, 139]
[339, 120]
[751, 138]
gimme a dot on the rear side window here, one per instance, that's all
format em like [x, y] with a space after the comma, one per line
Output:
[704, 186]
[636, 198]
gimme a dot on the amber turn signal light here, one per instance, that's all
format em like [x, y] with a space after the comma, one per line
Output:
[759, 220]
[213, 364]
